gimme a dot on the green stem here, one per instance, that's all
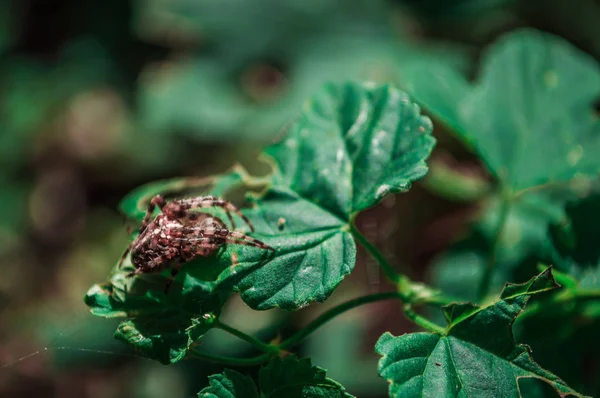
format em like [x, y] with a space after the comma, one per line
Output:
[389, 271]
[408, 291]
[252, 340]
[422, 321]
[231, 361]
[484, 286]
[332, 313]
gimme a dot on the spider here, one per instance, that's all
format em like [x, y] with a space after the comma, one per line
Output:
[178, 235]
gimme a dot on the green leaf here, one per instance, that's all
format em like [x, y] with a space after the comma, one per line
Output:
[533, 101]
[293, 377]
[563, 335]
[313, 253]
[162, 327]
[135, 203]
[352, 146]
[476, 356]
[229, 384]
[287, 377]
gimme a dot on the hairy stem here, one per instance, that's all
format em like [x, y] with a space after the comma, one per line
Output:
[268, 348]
[332, 313]
[484, 285]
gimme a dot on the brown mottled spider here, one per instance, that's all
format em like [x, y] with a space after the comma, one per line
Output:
[178, 234]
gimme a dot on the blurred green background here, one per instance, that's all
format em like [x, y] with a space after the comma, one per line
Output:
[97, 98]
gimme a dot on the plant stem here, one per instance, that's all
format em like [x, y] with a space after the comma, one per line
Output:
[332, 313]
[389, 271]
[252, 340]
[407, 290]
[486, 280]
[257, 360]
[422, 321]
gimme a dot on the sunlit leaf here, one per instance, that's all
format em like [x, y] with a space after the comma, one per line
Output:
[352, 146]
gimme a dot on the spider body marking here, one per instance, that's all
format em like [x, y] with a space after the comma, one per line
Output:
[178, 234]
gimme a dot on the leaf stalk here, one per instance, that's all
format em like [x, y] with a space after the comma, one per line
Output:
[485, 284]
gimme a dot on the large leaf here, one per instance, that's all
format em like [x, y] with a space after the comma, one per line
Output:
[350, 147]
[476, 356]
[287, 377]
[533, 101]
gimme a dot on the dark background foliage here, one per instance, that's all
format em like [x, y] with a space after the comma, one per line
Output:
[97, 98]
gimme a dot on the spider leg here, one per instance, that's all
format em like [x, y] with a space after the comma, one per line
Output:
[221, 235]
[242, 239]
[123, 257]
[134, 273]
[157, 200]
[213, 201]
[174, 271]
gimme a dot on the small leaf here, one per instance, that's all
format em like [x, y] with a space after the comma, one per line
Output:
[229, 384]
[476, 356]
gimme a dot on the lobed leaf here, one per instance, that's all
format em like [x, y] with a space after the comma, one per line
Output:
[281, 377]
[229, 384]
[476, 356]
[162, 327]
[352, 146]
[313, 253]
